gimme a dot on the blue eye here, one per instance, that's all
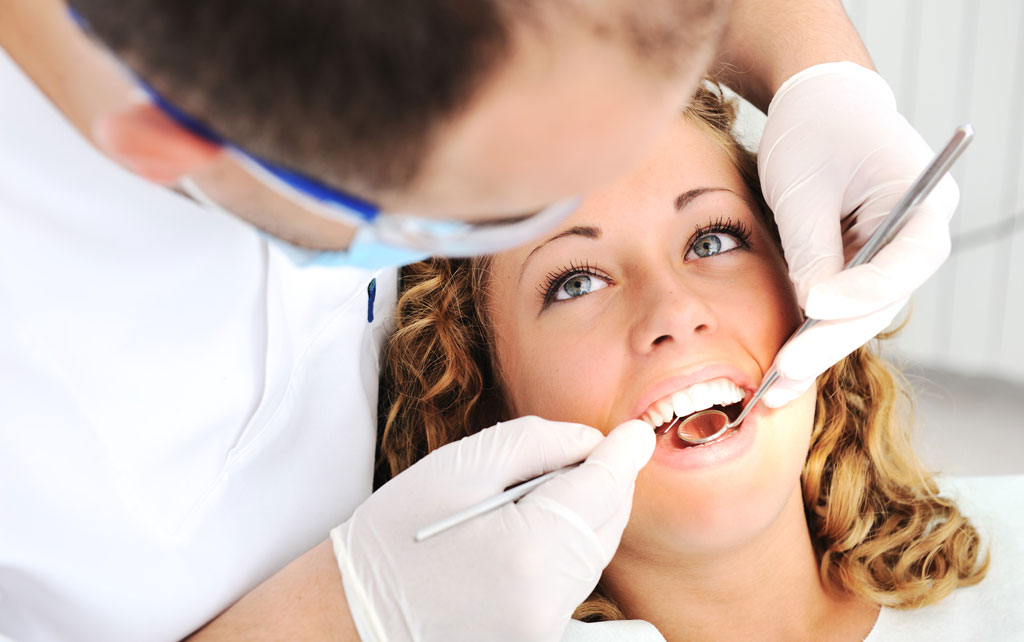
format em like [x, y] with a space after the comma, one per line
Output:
[711, 244]
[577, 285]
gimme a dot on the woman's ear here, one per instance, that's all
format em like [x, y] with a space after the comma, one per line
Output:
[150, 143]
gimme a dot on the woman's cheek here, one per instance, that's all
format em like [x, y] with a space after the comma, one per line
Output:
[798, 416]
[546, 382]
[786, 433]
[571, 375]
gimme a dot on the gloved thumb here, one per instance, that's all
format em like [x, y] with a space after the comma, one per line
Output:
[805, 357]
[597, 496]
[785, 390]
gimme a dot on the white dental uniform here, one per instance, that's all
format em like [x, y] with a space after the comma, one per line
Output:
[182, 411]
[991, 611]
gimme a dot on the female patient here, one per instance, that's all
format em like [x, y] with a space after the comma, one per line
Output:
[663, 295]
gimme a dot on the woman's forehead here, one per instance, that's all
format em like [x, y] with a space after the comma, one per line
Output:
[685, 159]
[686, 170]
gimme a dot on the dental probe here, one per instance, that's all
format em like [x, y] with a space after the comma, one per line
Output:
[512, 494]
[889, 227]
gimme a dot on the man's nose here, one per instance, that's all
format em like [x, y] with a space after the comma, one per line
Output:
[670, 311]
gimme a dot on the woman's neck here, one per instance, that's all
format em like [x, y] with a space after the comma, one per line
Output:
[769, 589]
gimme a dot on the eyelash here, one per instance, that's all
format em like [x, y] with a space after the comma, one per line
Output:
[554, 279]
[737, 229]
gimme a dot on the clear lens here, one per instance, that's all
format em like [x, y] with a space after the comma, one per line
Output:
[457, 240]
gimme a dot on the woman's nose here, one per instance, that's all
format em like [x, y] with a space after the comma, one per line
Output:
[670, 313]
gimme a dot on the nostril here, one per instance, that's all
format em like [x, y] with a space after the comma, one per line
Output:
[701, 329]
[661, 339]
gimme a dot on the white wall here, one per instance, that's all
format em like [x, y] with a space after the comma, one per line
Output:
[950, 62]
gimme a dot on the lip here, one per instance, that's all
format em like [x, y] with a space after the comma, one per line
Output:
[669, 450]
[673, 384]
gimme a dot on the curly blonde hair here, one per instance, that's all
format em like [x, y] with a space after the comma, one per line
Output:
[880, 529]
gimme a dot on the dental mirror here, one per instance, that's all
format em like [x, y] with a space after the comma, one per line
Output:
[702, 427]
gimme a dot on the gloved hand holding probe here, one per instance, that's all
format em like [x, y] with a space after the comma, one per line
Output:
[834, 159]
[516, 573]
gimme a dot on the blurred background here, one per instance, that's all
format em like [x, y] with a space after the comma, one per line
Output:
[951, 62]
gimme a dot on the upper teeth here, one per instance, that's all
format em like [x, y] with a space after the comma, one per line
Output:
[697, 397]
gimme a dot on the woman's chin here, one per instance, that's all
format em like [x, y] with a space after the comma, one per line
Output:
[702, 508]
[687, 520]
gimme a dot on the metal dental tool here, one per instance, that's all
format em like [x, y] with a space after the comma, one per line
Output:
[512, 494]
[707, 425]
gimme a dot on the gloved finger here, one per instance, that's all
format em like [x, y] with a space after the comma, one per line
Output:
[809, 223]
[883, 197]
[816, 350]
[597, 496]
[899, 268]
[811, 265]
[510, 452]
[784, 391]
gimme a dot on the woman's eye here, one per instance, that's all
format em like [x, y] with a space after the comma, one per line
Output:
[711, 244]
[578, 285]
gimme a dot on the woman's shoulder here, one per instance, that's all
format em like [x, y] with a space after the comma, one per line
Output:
[989, 610]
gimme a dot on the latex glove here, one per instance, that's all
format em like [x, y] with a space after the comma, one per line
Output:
[835, 157]
[516, 573]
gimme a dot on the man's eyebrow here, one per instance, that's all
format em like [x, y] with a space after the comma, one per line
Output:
[687, 197]
[586, 231]
[506, 220]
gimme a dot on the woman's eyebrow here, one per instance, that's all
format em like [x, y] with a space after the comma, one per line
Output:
[687, 197]
[586, 231]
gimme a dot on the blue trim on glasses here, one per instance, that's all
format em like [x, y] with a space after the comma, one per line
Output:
[301, 183]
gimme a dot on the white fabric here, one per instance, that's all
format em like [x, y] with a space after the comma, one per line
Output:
[182, 411]
[621, 631]
[835, 158]
[515, 573]
[990, 611]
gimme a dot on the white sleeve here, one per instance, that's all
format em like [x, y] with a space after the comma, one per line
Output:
[182, 411]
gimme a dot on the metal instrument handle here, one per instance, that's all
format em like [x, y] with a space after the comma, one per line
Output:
[886, 231]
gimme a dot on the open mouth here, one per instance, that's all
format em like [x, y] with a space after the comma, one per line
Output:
[668, 413]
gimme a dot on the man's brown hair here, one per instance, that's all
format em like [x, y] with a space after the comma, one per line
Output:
[338, 88]
[354, 91]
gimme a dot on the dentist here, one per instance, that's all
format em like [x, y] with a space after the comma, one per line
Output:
[201, 206]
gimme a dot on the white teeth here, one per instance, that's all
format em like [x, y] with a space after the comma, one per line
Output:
[682, 404]
[718, 389]
[656, 418]
[695, 398]
[664, 409]
[700, 396]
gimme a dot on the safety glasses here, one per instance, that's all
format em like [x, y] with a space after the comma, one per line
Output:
[431, 236]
